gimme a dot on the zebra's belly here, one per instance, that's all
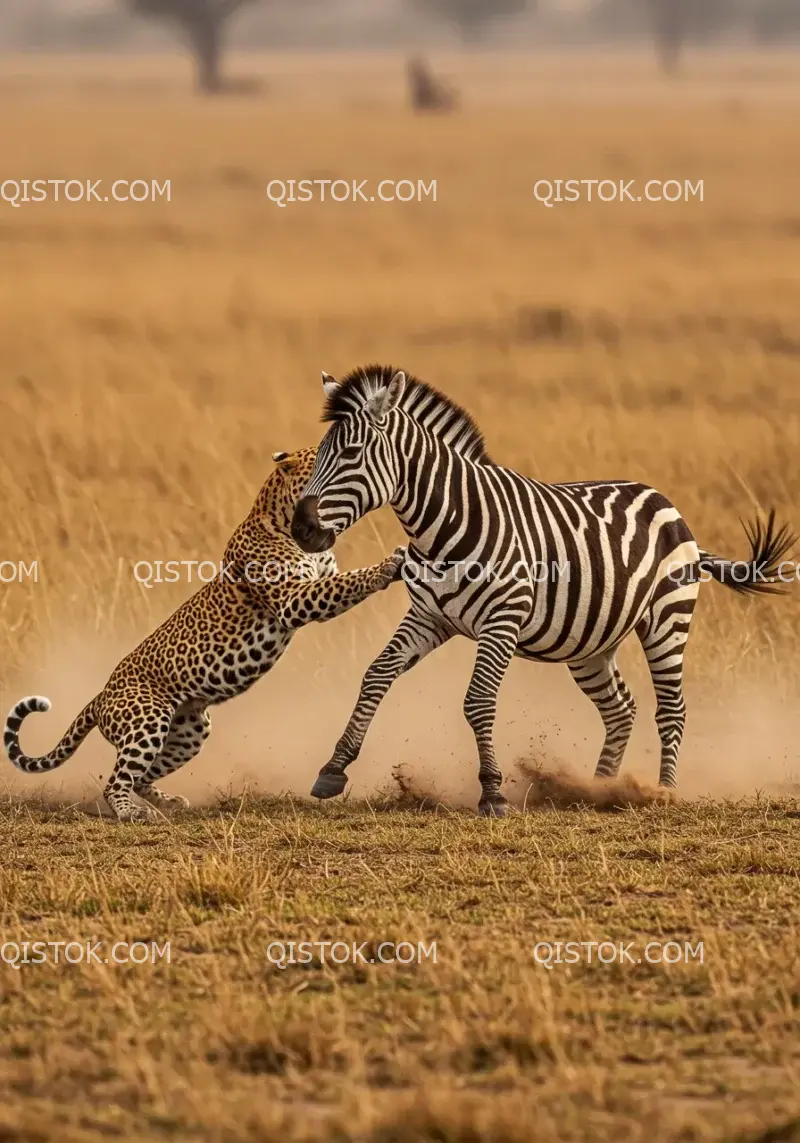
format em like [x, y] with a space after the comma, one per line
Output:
[570, 628]
[558, 627]
[570, 610]
[575, 648]
[546, 642]
[446, 608]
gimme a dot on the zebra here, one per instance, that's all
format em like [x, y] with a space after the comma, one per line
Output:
[627, 559]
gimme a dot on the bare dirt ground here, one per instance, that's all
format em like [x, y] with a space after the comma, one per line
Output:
[152, 356]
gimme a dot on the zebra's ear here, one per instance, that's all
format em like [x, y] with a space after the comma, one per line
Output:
[329, 384]
[387, 398]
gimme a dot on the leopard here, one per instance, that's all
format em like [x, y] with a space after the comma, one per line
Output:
[154, 708]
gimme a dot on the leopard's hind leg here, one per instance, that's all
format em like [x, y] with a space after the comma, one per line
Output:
[191, 726]
[138, 725]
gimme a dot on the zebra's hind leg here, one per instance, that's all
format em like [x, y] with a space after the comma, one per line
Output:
[600, 680]
[663, 633]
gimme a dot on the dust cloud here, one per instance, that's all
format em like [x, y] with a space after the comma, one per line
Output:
[275, 738]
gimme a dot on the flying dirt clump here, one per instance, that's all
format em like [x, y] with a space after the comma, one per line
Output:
[408, 792]
[531, 787]
[561, 789]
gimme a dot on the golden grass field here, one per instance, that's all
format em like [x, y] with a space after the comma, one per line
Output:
[152, 357]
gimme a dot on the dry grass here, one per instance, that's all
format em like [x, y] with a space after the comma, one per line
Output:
[220, 1045]
[152, 357]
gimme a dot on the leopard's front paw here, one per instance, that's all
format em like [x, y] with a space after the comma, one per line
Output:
[391, 569]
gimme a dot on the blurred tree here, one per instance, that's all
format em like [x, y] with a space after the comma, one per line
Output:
[672, 23]
[202, 23]
[670, 27]
[472, 17]
[774, 21]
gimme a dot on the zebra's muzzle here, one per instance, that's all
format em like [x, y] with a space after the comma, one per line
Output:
[307, 532]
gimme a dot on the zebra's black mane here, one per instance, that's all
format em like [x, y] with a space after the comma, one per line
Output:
[437, 412]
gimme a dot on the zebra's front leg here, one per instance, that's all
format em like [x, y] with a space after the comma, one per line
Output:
[415, 638]
[496, 647]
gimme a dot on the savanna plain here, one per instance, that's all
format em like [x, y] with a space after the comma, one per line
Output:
[152, 357]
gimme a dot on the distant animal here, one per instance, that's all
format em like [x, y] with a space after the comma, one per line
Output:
[556, 573]
[426, 92]
[154, 707]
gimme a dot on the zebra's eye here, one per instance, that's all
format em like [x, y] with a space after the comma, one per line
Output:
[352, 452]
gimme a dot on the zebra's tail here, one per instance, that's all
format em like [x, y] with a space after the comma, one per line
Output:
[64, 750]
[761, 573]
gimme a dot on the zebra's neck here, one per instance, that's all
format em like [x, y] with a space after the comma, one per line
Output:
[432, 482]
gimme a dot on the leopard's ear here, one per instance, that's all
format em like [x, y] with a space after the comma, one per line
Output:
[285, 461]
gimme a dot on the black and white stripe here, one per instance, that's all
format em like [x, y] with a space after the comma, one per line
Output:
[558, 573]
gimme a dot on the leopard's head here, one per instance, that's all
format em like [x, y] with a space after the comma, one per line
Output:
[285, 486]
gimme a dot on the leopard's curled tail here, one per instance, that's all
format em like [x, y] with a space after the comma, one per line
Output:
[60, 753]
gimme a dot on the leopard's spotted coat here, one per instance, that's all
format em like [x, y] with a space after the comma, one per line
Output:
[154, 707]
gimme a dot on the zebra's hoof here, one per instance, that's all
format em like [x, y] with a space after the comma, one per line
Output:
[496, 809]
[328, 785]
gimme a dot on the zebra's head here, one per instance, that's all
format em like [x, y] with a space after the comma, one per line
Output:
[355, 469]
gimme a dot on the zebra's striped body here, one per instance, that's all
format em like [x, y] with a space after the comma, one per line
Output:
[556, 573]
[579, 582]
